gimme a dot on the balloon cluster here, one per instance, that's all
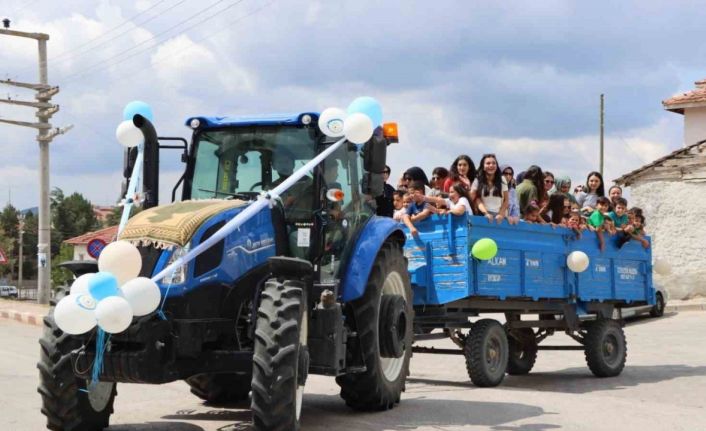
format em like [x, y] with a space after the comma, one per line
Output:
[111, 297]
[357, 123]
[484, 249]
[127, 133]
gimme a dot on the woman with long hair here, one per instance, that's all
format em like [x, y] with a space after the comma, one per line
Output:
[513, 207]
[595, 189]
[462, 171]
[489, 190]
[559, 208]
[438, 177]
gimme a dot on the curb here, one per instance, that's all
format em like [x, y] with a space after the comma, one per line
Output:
[23, 317]
[686, 307]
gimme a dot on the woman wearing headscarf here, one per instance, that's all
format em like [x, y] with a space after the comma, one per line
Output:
[563, 186]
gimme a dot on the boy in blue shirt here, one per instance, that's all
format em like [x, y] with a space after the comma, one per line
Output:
[418, 209]
[619, 214]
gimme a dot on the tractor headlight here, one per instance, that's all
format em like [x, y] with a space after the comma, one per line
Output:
[178, 276]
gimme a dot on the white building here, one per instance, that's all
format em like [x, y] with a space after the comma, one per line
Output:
[672, 193]
[81, 242]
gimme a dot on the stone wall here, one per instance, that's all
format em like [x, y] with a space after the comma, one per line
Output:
[675, 219]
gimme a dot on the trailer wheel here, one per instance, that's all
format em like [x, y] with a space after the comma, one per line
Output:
[280, 358]
[64, 401]
[658, 309]
[486, 352]
[221, 387]
[605, 348]
[522, 345]
[379, 387]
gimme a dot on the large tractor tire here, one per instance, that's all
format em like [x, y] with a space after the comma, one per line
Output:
[605, 348]
[281, 357]
[383, 318]
[220, 388]
[65, 402]
[486, 351]
[523, 351]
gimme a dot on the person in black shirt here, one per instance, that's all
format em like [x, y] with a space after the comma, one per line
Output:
[384, 202]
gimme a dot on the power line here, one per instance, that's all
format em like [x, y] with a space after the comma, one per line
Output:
[111, 60]
[130, 74]
[127, 21]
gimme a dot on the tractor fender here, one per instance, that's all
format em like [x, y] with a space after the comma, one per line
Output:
[371, 238]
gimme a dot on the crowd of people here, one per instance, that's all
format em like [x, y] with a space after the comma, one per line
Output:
[497, 193]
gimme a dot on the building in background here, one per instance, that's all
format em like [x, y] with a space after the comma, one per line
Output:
[82, 242]
[672, 192]
[102, 213]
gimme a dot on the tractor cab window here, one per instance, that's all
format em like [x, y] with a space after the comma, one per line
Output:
[347, 209]
[241, 162]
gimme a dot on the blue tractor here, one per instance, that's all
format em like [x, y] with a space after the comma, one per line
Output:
[315, 283]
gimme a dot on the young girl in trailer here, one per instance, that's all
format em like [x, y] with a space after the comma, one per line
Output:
[457, 203]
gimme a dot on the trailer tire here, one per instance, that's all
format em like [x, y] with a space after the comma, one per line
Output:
[380, 386]
[605, 348]
[658, 309]
[64, 402]
[486, 353]
[280, 357]
[522, 351]
[217, 388]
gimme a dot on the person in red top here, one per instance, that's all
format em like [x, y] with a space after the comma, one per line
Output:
[462, 171]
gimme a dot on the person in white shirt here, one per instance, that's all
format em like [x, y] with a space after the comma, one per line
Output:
[457, 203]
[489, 190]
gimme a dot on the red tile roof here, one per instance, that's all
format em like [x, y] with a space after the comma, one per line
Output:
[678, 102]
[108, 235]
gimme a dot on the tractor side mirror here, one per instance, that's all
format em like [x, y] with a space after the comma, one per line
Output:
[375, 153]
[373, 184]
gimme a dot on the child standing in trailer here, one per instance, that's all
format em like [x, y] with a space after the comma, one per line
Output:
[619, 214]
[399, 205]
[457, 203]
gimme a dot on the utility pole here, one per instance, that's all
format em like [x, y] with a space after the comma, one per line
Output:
[19, 264]
[45, 135]
[602, 126]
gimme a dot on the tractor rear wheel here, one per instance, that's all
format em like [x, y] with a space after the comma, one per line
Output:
[383, 319]
[220, 388]
[69, 403]
[280, 357]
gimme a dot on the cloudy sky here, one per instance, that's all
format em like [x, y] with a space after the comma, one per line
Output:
[517, 78]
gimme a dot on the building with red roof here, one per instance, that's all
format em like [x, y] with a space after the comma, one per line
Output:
[81, 242]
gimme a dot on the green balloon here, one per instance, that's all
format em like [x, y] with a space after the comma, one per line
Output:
[484, 249]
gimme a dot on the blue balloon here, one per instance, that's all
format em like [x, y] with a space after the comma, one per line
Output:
[368, 106]
[102, 285]
[137, 107]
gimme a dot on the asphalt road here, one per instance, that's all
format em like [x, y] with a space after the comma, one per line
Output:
[663, 387]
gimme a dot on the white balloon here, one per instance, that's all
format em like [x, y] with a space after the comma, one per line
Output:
[331, 122]
[122, 259]
[74, 314]
[577, 261]
[358, 128]
[662, 267]
[80, 285]
[114, 314]
[143, 295]
[128, 134]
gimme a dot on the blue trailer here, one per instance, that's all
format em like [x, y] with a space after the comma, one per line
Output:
[529, 281]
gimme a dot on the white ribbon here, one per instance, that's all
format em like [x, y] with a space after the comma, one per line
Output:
[249, 212]
[132, 187]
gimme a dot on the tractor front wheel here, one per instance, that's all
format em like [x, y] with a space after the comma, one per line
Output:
[383, 320]
[281, 357]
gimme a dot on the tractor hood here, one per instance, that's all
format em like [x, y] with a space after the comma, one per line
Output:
[174, 225]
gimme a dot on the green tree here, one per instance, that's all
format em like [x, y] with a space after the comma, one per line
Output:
[113, 218]
[10, 221]
[29, 268]
[72, 215]
[6, 244]
[61, 276]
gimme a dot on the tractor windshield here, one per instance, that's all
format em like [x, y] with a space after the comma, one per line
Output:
[246, 160]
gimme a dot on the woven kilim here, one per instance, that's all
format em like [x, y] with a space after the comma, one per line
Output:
[173, 225]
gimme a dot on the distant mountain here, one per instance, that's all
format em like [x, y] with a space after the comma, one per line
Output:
[33, 210]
